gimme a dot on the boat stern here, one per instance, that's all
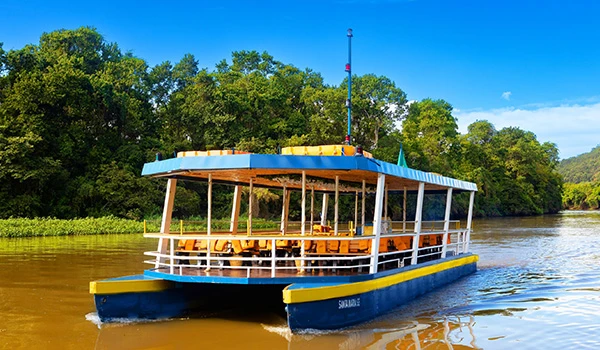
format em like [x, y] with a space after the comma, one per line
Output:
[332, 306]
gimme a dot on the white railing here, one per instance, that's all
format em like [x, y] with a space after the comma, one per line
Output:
[292, 257]
[188, 226]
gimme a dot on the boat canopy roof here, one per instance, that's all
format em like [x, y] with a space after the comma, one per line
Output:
[277, 171]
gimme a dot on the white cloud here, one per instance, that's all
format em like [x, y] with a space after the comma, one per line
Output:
[574, 128]
[506, 95]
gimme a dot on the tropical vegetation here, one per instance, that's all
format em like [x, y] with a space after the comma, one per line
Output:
[582, 176]
[79, 117]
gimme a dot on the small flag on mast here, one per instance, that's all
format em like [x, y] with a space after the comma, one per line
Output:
[401, 160]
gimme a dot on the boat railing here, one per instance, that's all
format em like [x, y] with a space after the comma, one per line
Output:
[190, 226]
[270, 254]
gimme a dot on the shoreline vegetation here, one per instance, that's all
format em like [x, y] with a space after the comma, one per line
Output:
[24, 227]
[42, 227]
[581, 196]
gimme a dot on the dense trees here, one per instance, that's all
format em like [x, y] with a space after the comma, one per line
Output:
[583, 195]
[584, 167]
[78, 118]
[582, 174]
[73, 110]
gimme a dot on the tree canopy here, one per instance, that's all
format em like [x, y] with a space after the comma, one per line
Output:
[582, 168]
[78, 118]
[582, 177]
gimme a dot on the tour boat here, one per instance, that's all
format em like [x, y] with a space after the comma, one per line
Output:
[329, 274]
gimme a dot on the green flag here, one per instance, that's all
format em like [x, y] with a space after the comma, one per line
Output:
[401, 160]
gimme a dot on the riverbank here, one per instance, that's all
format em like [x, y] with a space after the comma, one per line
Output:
[22, 227]
[39, 227]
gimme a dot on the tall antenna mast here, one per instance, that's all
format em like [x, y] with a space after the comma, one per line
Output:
[349, 100]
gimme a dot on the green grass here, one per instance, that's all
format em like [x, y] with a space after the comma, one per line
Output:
[21, 227]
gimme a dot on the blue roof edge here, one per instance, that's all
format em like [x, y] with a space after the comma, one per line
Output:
[276, 161]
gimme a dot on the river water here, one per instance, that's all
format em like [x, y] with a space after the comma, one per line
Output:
[537, 287]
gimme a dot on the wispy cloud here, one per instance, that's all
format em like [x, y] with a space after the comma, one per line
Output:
[506, 95]
[573, 127]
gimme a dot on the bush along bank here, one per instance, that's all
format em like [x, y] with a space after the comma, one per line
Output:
[22, 227]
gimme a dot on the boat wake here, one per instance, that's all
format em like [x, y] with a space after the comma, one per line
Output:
[94, 318]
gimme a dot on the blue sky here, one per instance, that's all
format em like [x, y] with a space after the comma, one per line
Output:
[532, 64]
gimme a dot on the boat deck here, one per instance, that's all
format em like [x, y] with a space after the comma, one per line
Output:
[251, 275]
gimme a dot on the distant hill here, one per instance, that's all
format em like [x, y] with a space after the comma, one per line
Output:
[583, 168]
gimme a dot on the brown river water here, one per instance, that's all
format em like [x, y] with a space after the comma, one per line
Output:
[537, 287]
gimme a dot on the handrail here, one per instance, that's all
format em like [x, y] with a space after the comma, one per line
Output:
[183, 226]
[311, 261]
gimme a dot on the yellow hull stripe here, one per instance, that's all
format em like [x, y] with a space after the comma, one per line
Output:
[292, 296]
[129, 286]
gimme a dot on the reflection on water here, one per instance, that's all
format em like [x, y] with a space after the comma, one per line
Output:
[537, 287]
[219, 333]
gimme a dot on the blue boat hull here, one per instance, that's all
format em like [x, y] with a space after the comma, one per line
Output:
[314, 305]
[348, 310]
[141, 297]
[143, 305]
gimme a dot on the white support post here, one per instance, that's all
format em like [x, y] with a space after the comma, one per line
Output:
[283, 210]
[288, 197]
[303, 218]
[209, 222]
[273, 256]
[209, 211]
[446, 222]
[312, 209]
[324, 209]
[336, 206]
[377, 223]
[404, 211]
[165, 225]
[172, 254]
[469, 222]
[418, 223]
[355, 211]
[364, 196]
[235, 210]
[250, 195]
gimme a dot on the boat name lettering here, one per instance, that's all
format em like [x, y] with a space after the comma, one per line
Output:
[348, 303]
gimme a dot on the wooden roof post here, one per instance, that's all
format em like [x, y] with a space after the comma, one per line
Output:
[165, 225]
[446, 222]
[418, 223]
[377, 222]
[235, 210]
